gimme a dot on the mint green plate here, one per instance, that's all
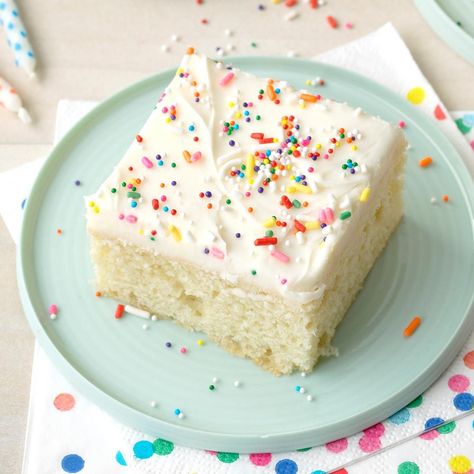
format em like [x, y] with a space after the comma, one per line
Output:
[444, 15]
[427, 269]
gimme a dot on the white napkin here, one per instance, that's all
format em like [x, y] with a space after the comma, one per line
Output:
[85, 432]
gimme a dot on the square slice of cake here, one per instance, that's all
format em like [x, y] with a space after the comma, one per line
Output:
[248, 210]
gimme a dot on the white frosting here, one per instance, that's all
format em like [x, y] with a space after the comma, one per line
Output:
[296, 265]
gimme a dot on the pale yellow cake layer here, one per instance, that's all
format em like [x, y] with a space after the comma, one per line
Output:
[279, 335]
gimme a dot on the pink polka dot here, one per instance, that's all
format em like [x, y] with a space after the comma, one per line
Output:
[64, 402]
[260, 459]
[458, 383]
[433, 434]
[212, 453]
[369, 444]
[375, 431]
[337, 446]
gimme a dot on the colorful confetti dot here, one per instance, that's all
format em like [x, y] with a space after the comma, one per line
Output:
[439, 113]
[469, 360]
[286, 466]
[260, 459]
[337, 446]
[120, 459]
[462, 126]
[408, 467]
[143, 449]
[447, 428]
[458, 383]
[64, 402]
[400, 417]
[227, 457]
[375, 431]
[429, 435]
[72, 463]
[460, 464]
[463, 401]
[162, 447]
[416, 95]
[416, 402]
[433, 422]
[369, 444]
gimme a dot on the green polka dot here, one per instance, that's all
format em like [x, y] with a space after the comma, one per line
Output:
[447, 428]
[162, 447]
[463, 128]
[227, 457]
[302, 450]
[416, 402]
[408, 467]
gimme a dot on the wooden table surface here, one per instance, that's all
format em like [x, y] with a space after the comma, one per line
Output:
[89, 49]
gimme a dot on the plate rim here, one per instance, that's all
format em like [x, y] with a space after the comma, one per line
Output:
[216, 440]
[446, 28]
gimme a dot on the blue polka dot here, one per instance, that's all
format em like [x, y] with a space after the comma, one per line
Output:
[432, 422]
[72, 463]
[468, 119]
[10, 26]
[400, 417]
[318, 472]
[23, 203]
[2, 5]
[286, 466]
[143, 449]
[463, 401]
[14, 13]
[120, 459]
[17, 46]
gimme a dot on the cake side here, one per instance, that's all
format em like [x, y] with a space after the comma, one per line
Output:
[265, 327]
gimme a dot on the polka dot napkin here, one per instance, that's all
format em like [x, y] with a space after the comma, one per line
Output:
[69, 434]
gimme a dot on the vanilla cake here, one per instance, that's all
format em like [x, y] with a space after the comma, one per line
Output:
[248, 210]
